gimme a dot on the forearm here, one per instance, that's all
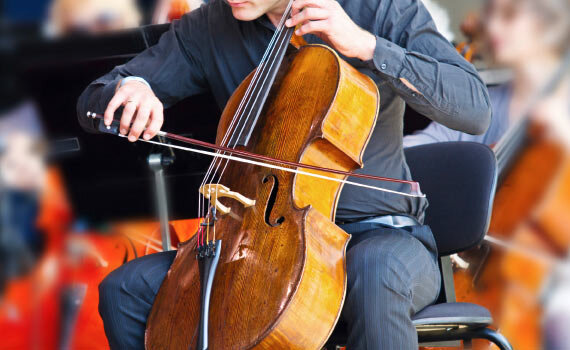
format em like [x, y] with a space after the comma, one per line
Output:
[172, 69]
[447, 93]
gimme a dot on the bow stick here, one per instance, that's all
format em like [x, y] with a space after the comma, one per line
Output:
[257, 159]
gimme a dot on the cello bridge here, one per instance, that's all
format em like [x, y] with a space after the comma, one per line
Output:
[214, 192]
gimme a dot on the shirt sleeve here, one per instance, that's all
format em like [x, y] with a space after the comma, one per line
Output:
[433, 133]
[409, 46]
[172, 67]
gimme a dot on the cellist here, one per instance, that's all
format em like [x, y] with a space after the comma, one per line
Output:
[392, 258]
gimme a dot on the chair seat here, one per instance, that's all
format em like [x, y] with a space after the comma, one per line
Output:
[452, 314]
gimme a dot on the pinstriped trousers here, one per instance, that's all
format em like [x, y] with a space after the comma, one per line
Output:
[392, 274]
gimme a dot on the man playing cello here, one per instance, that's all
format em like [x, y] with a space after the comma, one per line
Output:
[392, 258]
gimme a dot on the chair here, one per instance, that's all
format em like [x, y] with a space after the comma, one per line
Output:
[459, 179]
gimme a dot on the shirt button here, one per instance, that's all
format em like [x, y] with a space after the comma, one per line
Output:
[383, 66]
[414, 94]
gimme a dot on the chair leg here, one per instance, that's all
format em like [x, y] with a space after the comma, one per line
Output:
[494, 337]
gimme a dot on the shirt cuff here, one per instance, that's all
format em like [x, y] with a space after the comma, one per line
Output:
[139, 79]
[107, 94]
[102, 100]
[388, 58]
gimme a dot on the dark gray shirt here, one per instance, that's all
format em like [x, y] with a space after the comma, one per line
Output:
[209, 50]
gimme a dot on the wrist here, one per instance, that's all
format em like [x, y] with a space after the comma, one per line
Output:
[134, 79]
[367, 46]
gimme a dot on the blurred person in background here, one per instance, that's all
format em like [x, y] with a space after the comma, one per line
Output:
[169, 10]
[22, 179]
[472, 28]
[93, 16]
[531, 37]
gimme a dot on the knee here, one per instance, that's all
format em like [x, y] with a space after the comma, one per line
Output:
[109, 292]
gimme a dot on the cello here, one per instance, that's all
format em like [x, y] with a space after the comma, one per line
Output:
[269, 235]
[267, 239]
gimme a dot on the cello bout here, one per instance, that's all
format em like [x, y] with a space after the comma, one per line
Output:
[281, 277]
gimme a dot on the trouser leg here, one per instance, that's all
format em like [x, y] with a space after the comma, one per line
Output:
[391, 276]
[126, 296]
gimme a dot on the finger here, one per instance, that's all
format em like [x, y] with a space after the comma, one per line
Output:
[312, 27]
[156, 120]
[140, 122]
[128, 113]
[308, 14]
[298, 5]
[116, 102]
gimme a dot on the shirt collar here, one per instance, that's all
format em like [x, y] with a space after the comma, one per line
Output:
[264, 21]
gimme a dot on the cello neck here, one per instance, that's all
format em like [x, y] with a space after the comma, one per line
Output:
[262, 82]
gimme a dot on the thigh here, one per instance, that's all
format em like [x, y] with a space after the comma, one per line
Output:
[391, 275]
[395, 260]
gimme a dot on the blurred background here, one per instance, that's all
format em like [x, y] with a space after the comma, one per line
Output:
[74, 206]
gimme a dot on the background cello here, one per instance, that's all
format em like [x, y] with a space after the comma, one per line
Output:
[529, 226]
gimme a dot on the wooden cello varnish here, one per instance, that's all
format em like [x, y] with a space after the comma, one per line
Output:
[281, 279]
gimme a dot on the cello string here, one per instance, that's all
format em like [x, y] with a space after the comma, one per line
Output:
[237, 115]
[250, 101]
[282, 43]
[253, 82]
[277, 167]
[272, 58]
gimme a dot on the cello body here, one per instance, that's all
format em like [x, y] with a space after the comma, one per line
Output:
[281, 278]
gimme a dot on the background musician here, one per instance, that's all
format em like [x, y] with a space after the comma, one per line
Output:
[93, 16]
[392, 258]
[531, 37]
[22, 181]
[168, 10]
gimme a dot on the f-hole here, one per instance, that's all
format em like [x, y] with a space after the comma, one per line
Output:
[271, 201]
